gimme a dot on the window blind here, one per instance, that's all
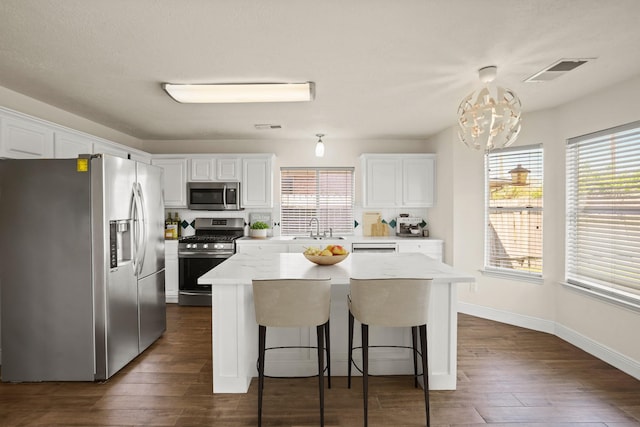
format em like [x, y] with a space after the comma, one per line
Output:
[513, 235]
[323, 193]
[603, 210]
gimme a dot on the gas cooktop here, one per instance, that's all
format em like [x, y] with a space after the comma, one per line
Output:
[208, 238]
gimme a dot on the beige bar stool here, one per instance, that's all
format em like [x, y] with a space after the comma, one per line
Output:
[293, 303]
[390, 303]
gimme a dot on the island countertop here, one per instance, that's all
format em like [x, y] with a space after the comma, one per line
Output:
[234, 328]
[241, 269]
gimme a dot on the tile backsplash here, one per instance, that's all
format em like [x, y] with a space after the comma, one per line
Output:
[187, 217]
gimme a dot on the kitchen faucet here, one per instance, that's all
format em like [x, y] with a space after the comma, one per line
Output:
[317, 227]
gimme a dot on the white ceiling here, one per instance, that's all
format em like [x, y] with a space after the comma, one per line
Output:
[383, 69]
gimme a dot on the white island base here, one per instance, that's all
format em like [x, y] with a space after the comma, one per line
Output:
[235, 332]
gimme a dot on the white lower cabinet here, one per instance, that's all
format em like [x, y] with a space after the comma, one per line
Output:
[431, 248]
[171, 270]
[25, 139]
[252, 248]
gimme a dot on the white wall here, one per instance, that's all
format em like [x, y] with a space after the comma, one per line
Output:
[600, 327]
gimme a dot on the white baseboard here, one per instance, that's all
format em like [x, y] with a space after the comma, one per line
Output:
[602, 352]
[507, 317]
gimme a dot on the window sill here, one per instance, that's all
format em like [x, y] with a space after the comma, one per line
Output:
[610, 295]
[522, 277]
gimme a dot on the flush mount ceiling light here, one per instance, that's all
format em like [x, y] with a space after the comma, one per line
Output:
[240, 92]
[490, 117]
[319, 145]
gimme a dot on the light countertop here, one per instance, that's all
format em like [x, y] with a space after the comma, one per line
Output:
[346, 239]
[242, 268]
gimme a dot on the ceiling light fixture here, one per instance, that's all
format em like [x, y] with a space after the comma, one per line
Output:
[319, 145]
[240, 92]
[489, 118]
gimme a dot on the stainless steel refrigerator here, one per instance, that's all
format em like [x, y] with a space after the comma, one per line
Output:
[81, 266]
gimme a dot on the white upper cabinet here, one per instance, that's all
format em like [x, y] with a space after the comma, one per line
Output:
[68, 145]
[382, 182]
[25, 139]
[257, 182]
[418, 181]
[202, 169]
[101, 148]
[398, 180]
[218, 168]
[175, 181]
[228, 168]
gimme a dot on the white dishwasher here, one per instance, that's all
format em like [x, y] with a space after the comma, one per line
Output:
[374, 247]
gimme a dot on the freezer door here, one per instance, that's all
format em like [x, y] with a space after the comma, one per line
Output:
[153, 315]
[150, 180]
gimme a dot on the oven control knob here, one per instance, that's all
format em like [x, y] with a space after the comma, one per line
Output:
[205, 246]
[218, 246]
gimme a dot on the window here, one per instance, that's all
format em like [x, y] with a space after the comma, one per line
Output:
[323, 193]
[603, 212]
[513, 234]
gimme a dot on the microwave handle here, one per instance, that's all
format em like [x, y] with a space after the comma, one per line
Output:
[224, 196]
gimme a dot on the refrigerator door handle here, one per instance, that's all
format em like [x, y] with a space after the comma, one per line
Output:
[134, 229]
[138, 229]
[145, 224]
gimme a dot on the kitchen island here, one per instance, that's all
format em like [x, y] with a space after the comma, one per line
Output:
[235, 332]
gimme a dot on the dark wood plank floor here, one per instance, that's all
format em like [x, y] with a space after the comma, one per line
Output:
[507, 376]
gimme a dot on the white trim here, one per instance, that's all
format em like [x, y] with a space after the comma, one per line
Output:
[610, 295]
[523, 277]
[602, 352]
[507, 317]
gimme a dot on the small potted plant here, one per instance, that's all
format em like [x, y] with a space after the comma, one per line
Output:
[258, 230]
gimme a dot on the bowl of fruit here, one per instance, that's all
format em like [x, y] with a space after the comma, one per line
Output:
[331, 254]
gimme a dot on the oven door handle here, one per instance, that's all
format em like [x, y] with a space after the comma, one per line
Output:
[204, 254]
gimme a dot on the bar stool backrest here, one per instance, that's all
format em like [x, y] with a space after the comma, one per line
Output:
[292, 302]
[390, 302]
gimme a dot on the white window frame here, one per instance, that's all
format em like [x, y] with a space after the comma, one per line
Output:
[341, 225]
[613, 272]
[531, 157]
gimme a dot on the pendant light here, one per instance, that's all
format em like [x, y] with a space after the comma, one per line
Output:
[319, 145]
[490, 117]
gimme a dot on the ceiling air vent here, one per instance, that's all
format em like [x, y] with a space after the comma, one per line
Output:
[557, 69]
[267, 126]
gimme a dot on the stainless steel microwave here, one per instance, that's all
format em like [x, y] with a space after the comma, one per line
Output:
[214, 196]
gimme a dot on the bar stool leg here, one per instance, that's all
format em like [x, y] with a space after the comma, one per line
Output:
[262, 334]
[350, 349]
[365, 370]
[425, 370]
[328, 347]
[414, 339]
[320, 332]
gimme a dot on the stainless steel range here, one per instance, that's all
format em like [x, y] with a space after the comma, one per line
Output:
[212, 244]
